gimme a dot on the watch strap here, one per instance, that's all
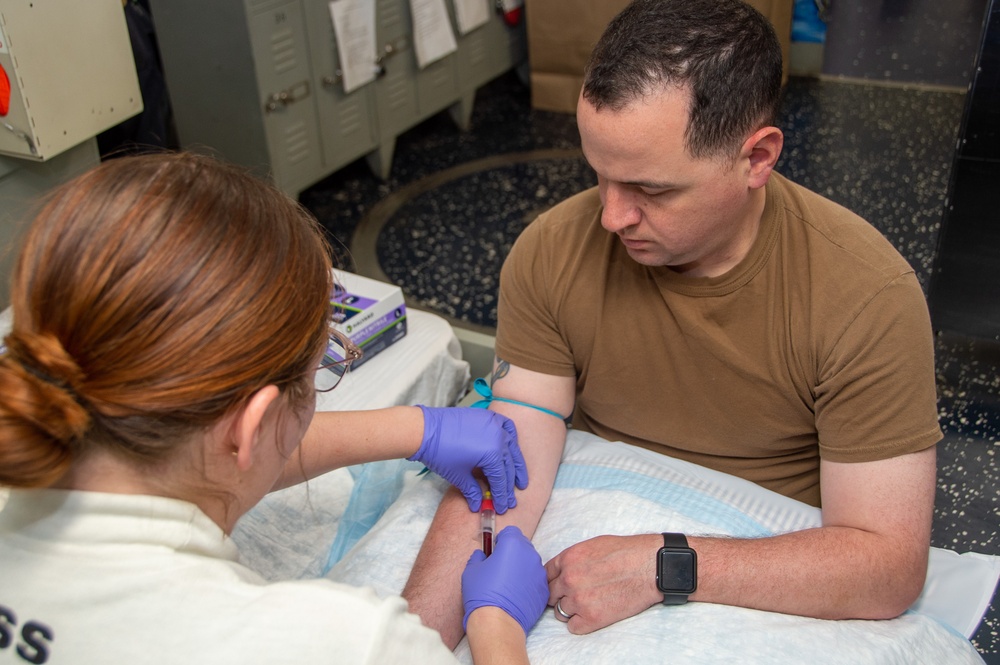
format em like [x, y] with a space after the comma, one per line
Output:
[675, 540]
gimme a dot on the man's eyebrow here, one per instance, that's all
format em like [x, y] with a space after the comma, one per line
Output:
[649, 185]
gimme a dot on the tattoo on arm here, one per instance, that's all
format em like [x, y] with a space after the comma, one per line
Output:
[502, 367]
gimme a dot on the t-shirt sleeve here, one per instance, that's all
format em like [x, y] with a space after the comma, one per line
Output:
[876, 395]
[528, 332]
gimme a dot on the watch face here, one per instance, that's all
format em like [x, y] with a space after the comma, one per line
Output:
[675, 571]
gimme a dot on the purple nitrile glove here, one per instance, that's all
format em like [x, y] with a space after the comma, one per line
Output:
[458, 440]
[512, 578]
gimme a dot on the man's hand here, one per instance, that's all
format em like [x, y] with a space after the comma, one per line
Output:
[604, 580]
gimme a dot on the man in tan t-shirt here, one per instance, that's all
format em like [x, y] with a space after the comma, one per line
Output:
[698, 304]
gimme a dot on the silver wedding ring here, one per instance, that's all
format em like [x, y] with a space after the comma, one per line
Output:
[561, 612]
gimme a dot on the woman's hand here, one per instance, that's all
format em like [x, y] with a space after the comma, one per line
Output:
[512, 578]
[459, 440]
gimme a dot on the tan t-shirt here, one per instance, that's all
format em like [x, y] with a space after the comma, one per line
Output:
[818, 344]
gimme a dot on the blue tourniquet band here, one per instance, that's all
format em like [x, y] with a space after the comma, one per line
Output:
[483, 389]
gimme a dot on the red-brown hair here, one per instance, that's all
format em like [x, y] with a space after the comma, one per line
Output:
[152, 296]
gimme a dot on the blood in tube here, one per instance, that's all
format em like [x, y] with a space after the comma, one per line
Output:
[488, 519]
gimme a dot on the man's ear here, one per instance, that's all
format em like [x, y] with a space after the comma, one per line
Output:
[762, 150]
[247, 425]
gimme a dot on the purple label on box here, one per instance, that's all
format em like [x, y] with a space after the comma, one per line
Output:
[382, 340]
[360, 335]
[364, 336]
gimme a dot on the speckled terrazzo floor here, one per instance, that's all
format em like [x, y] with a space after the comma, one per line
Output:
[442, 223]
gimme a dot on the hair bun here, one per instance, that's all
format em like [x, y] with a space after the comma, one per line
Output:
[57, 381]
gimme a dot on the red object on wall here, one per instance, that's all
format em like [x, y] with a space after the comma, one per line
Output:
[511, 10]
[4, 92]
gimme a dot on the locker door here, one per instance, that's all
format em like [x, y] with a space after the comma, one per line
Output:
[281, 61]
[489, 51]
[405, 94]
[347, 124]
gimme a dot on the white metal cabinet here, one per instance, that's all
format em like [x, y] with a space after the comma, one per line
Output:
[68, 74]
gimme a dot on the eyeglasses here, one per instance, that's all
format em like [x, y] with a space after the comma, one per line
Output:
[340, 353]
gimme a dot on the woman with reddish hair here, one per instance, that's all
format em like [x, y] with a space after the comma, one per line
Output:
[169, 316]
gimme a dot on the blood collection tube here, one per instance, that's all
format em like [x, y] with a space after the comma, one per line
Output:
[488, 518]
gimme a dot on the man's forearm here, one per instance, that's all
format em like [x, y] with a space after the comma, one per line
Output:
[434, 587]
[867, 561]
[433, 590]
[827, 573]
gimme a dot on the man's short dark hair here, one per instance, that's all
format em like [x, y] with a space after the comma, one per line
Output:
[724, 51]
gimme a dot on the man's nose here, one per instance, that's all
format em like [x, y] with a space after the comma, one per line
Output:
[620, 210]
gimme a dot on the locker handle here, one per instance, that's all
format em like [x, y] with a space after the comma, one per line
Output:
[392, 48]
[289, 95]
[389, 50]
[338, 76]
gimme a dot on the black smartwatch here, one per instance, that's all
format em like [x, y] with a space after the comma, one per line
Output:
[676, 569]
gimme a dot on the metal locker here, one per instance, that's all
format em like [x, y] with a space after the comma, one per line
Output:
[238, 74]
[489, 51]
[255, 82]
[347, 123]
[395, 88]
[284, 79]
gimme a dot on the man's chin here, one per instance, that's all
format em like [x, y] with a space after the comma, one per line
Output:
[644, 255]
